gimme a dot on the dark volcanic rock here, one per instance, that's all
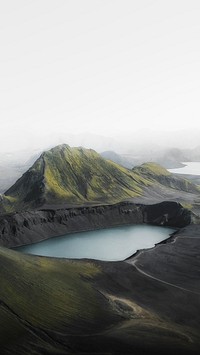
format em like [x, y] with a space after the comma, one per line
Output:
[167, 214]
[33, 226]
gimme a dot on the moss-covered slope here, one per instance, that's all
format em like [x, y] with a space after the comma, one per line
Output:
[155, 173]
[38, 295]
[56, 306]
[65, 175]
[73, 175]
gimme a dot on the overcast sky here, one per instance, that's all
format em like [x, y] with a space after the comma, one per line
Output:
[101, 66]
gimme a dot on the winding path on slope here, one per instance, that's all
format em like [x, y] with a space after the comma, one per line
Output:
[180, 261]
[133, 262]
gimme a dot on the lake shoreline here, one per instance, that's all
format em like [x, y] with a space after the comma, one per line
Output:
[188, 168]
[110, 244]
[24, 228]
[148, 310]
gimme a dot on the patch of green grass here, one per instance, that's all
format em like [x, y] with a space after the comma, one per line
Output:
[49, 292]
[8, 204]
[152, 168]
[187, 205]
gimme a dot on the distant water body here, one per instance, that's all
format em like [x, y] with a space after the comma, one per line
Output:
[191, 168]
[106, 244]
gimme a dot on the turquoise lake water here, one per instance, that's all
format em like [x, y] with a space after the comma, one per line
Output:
[106, 244]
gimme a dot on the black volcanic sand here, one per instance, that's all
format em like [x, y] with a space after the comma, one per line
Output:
[164, 281]
[147, 304]
[178, 259]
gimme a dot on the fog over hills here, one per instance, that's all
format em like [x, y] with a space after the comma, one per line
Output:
[151, 137]
[134, 142]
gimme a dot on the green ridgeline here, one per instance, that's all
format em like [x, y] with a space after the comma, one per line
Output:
[72, 175]
[153, 172]
[65, 175]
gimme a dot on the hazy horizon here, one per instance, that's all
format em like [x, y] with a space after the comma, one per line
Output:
[125, 70]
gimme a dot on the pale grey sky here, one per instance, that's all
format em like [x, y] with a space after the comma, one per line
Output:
[101, 66]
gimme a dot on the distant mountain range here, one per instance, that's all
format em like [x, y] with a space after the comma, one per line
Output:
[65, 175]
[169, 158]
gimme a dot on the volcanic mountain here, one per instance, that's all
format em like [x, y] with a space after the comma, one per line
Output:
[78, 176]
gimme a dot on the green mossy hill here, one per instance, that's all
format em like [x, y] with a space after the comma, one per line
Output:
[65, 175]
[58, 306]
[153, 169]
[73, 175]
[153, 172]
[38, 295]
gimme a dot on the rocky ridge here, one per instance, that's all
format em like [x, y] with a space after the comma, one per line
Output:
[32, 226]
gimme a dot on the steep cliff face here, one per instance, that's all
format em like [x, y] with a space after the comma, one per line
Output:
[167, 214]
[29, 227]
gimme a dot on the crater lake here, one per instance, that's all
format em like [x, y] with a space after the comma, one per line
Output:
[112, 244]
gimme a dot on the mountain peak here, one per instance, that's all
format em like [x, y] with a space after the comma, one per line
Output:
[77, 176]
[72, 175]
